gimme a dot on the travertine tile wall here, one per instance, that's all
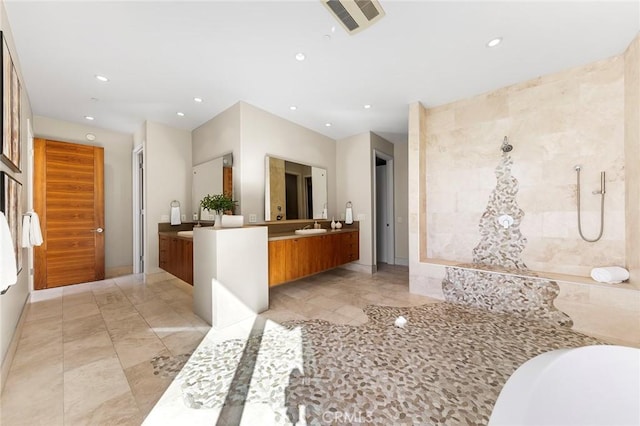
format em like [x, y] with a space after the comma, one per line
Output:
[632, 155]
[554, 123]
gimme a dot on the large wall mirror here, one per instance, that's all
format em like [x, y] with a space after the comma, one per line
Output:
[213, 177]
[294, 191]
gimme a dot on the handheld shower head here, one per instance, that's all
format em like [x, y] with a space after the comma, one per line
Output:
[506, 146]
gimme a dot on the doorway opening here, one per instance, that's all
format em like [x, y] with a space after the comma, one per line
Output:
[384, 230]
[139, 223]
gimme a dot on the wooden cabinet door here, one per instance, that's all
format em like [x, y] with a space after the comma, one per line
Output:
[163, 255]
[277, 262]
[187, 261]
[292, 259]
[307, 252]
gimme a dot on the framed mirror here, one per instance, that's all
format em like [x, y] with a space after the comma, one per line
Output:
[294, 190]
[212, 177]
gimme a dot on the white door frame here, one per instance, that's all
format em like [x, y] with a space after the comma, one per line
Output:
[139, 217]
[391, 231]
[30, 167]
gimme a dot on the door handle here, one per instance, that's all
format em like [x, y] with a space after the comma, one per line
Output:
[98, 230]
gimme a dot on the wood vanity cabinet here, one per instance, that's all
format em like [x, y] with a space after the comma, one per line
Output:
[176, 257]
[294, 258]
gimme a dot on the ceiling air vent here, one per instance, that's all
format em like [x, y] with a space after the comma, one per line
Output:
[355, 15]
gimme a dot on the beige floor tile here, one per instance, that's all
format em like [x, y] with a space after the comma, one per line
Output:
[109, 297]
[80, 310]
[330, 304]
[28, 357]
[120, 410]
[333, 317]
[134, 350]
[349, 311]
[45, 309]
[82, 327]
[77, 297]
[89, 386]
[182, 342]
[146, 387]
[140, 294]
[119, 311]
[33, 397]
[167, 323]
[153, 307]
[86, 350]
[131, 325]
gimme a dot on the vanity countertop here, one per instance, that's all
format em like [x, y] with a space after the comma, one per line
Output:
[291, 235]
[174, 234]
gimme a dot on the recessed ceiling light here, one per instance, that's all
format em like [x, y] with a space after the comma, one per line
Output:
[88, 117]
[90, 137]
[197, 100]
[367, 106]
[102, 78]
[293, 107]
[328, 124]
[180, 114]
[494, 42]
[300, 56]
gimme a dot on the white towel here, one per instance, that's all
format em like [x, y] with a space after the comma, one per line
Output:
[175, 216]
[26, 226]
[35, 234]
[8, 267]
[348, 216]
[610, 274]
[31, 233]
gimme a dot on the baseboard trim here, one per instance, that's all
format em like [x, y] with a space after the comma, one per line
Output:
[13, 346]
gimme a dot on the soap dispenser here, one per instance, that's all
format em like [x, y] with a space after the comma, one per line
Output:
[316, 225]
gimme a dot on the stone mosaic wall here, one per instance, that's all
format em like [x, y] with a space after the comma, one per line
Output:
[498, 245]
[498, 279]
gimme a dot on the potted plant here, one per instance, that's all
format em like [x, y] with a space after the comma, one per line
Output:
[219, 204]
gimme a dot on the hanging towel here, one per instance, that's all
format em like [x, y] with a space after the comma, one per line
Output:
[8, 269]
[35, 234]
[26, 226]
[175, 216]
[348, 216]
[31, 233]
[610, 274]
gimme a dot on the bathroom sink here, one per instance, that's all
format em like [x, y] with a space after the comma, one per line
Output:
[185, 233]
[310, 231]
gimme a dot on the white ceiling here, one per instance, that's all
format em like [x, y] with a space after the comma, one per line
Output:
[160, 54]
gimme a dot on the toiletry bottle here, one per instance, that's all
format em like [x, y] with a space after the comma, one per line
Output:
[316, 225]
[333, 223]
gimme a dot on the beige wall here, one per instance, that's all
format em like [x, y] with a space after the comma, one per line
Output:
[400, 180]
[353, 165]
[13, 301]
[217, 137]
[632, 156]
[262, 134]
[252, 134]
[117, 181]
[277, 189]
[554, 123]
[167, 178]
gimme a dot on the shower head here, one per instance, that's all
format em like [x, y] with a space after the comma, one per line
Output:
[506, 146]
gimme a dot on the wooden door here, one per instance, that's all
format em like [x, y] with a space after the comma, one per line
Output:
[69, 197]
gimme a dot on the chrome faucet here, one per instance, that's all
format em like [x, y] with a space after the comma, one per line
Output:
[307, 227]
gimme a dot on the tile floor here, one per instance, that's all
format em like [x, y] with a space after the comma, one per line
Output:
[86, 357]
